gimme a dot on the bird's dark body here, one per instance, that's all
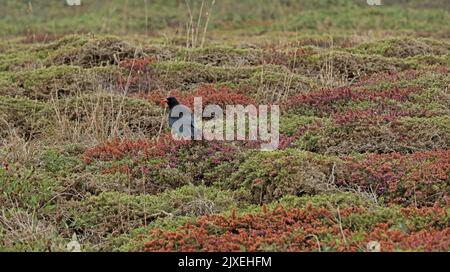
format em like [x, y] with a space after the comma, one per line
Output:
[178, 112]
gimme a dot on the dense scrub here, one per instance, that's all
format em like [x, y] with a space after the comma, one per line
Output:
[310, 229]
[364, 155]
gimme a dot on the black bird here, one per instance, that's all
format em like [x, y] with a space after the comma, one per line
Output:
[178, 112]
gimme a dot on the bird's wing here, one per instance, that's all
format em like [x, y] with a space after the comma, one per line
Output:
[183, 113]
[179, 112]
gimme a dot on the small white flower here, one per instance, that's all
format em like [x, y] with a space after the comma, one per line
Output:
[74, 246]
[73, 2]
[374, 2]
[373, 246]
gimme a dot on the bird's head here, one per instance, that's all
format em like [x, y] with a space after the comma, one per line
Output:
[170, 101]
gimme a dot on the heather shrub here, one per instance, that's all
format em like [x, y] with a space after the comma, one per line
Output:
[271, 84]
[368, 132]
[326, 200]
[61, 162]
[100, 116]
[272, 175]
[210, 94]
[308, 229]
[106, 115]
[167, 163]
[222, 56]
[209, 162]
[110, 214]
[187, 76]
[424, 78]
[20, 58]
[417, 179]
[326, 102]
[135, 176]
[21, 116]
[25, 231]
[26, 188]
[291, 123]
[404, 47]
[60, 81]
[347, 65]
[92, 52]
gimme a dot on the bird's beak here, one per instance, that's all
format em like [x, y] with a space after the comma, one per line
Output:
[164, 101]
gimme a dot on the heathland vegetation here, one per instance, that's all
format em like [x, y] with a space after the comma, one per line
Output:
[85, 152]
